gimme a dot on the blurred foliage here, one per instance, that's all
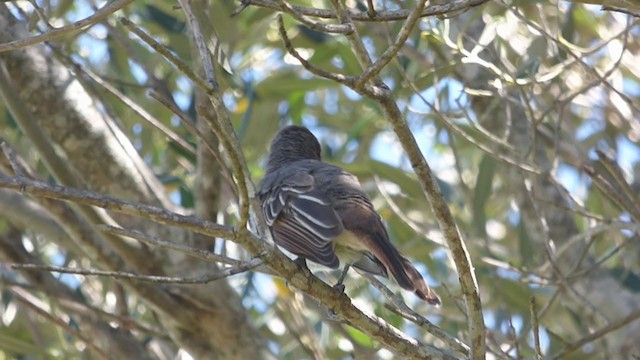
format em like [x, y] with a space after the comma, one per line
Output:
[264, 89]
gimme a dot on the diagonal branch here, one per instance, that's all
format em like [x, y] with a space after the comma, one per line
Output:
[221, 274]
[398, 43]
[342, 79]
[29, 301]
[98, 16]
[166, 53]
[117, 205]
[403, 310]
[598, 334]
[187, 250]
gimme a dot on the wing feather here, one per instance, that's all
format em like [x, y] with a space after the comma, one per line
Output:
[295, 238]
[301, 218]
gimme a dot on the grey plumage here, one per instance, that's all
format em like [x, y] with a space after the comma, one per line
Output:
[320, 212]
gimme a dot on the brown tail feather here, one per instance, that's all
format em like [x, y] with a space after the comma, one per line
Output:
[421, 289]
[400, 267]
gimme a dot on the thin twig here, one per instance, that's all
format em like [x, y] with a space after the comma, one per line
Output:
[99, 15]
[89, 311]
[398, 211]
[550, 255]
[588, 233]
[610, 192]
[398, 43]
[162, 50]
[23, 297]
[143, 113]
[635, 14]
[357, 44]
[193, 130]
[535, 327]
[405, 311]
[291, 311]
[561, 42]
[154, 241]
[342, 79]
[596, 264]
[204, 279]
[126, 322]
[632, 202]
[633, 316]
[17, 164]
[519, 163]
[328, 28]
[41, 14]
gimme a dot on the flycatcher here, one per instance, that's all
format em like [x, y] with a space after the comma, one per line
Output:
[320, 212]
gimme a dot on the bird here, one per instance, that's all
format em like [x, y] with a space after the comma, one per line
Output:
[319, 212]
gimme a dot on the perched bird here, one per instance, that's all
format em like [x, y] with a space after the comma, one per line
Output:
[319, 212]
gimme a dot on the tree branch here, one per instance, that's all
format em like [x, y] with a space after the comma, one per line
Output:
[398, 43]
[598, 334]
[328, 28]
[222, 127]
[534, 327]
[166, 53]
[101, 14]
[449, 228]
[28, 300]
[454, 6]
[152, 240]
[342, 79]
[246, 266]
[117, 205]
[403, 310]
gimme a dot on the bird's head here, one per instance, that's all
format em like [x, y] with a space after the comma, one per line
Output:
[293, 143]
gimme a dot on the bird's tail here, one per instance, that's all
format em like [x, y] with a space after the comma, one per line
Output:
[406, 275]
[420, 287]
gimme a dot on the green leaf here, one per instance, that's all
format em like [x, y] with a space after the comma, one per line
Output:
[187, 200]
[15, 346]
[315, 36]
[360, 337]
[192, 158]
[482, 193]
[165, 20]
[297, 106]
[627, 278]
[280, 85]
[525, 245]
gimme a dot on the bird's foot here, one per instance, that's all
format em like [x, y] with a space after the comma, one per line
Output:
[302, 264]
[339, 288]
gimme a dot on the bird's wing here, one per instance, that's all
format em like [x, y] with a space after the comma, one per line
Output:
[301, 218]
